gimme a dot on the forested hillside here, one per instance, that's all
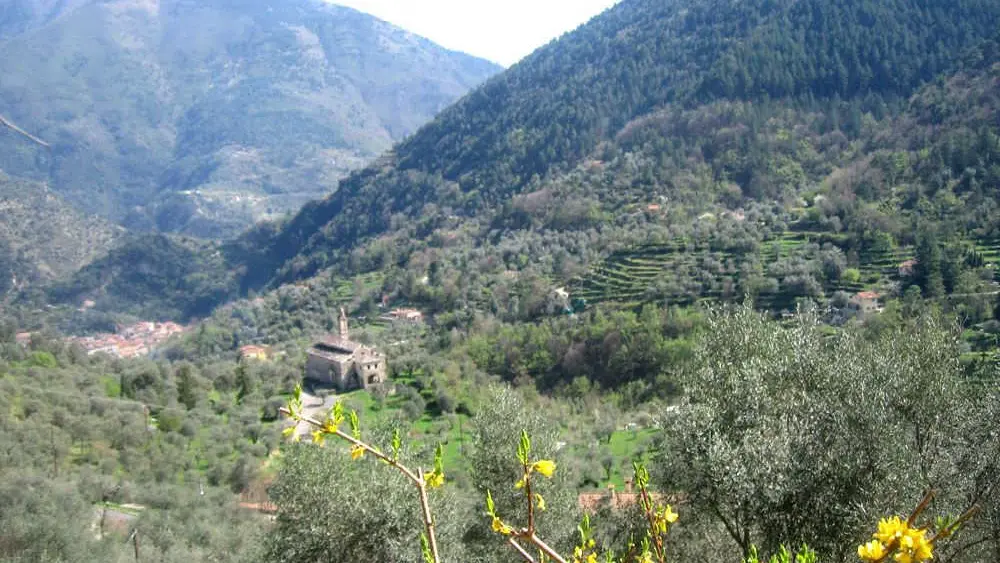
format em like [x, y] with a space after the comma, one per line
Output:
[582, 99]
[748, 246]
[642, 128]
[201, 117]
[42, 238]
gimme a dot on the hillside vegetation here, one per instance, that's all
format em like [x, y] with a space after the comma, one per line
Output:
[638, 129]
[657, 93]
[201, 117]
[751, 244]
[42, 238]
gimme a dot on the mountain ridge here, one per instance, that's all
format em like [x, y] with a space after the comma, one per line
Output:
[583, 150]
[477, 153]
[201, 117]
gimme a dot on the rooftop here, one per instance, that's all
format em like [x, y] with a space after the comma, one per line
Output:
[333, 355]
[334, 343]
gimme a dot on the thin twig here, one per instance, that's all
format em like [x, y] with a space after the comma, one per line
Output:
[920, 508]
[521, 551]
[425, 507]
[551, 553]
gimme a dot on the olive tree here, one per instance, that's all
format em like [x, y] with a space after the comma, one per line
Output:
[789, 434]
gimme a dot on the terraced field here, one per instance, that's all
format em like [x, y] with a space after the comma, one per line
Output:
[679, 271]
[989, 249]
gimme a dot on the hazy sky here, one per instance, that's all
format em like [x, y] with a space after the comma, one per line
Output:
[502, 31]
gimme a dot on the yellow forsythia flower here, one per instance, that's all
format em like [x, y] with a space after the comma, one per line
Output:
[890, 529]
[501, 528]
[894, 535]
[434, 479]
[318, 437]
[544, 466]
[357, 452]
[669, 515]
[663, 518]
[914, 546]
[871, 551]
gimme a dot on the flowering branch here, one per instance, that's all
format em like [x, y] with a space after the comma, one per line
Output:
[421, 480]
[903, 541]
[534, 501]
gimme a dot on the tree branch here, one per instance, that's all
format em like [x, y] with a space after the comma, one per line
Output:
[416, 478]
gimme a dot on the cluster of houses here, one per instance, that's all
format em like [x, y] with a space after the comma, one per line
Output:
[131, 341]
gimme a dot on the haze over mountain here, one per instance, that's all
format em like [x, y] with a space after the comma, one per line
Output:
[202, 116]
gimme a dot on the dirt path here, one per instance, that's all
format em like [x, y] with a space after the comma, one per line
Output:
[313, 406]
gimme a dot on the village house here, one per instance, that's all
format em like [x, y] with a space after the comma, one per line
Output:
[406, 315]
[592, 502]
[906, 268]
[344, 364]
[131, 341]
[253, 352]
[867, 302]
[23, 339]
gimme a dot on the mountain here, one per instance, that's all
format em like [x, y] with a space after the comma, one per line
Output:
[587, 97]
[42, 238]
[683, 150]
[203, 116]
[156, 276]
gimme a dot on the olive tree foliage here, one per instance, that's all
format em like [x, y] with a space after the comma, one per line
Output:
[48, 521]
[788, 434]
[495, 467]
[980, 468]
[333, 508]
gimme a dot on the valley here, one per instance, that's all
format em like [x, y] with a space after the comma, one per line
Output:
[709, 281]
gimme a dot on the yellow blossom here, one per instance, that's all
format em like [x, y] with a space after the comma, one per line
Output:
[501, 528]
[318, 437]
[434, 479]
[544, 466]
[663, 518]
[357, 452]
[890, 530]
[871, 551]
[895, 536]
[539, 502]
[914, 546]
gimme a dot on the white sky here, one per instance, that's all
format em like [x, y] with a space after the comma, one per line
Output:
[502, 31]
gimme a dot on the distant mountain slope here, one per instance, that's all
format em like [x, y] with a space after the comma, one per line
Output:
[626, 132]
[42, 238]
[547, 114]
[152, 276]
[201, 116]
